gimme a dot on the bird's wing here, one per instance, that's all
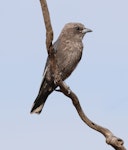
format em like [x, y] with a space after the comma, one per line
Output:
[55, 46]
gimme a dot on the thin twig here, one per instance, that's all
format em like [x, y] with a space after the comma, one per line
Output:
[48, 26]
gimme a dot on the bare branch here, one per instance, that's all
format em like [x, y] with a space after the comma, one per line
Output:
[49, 36]
[112, 140]
[48, 26]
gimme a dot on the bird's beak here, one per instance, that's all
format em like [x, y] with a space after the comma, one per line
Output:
[86, 30]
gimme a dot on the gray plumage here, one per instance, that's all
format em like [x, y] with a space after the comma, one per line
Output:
[68, 49]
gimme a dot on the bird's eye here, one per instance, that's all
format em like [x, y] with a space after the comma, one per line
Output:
[77, 28]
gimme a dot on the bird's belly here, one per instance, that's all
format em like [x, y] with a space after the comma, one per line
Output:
[67, 66]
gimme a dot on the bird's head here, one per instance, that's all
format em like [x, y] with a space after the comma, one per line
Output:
[75, 31]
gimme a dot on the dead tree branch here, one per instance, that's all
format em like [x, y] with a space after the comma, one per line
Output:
[48, 26]
[112, 140]
[49, 35]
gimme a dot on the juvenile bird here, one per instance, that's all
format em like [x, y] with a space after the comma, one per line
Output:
[68, 48]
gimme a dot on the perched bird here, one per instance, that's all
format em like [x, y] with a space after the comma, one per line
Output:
[68, 48]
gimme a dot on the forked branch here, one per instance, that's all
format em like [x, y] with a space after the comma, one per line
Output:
[112, 140]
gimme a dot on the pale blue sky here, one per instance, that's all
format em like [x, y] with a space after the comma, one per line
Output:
[100, 80]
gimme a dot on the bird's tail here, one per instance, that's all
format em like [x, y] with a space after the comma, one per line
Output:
[45, 91]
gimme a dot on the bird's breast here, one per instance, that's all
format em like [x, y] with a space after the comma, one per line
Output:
[68, 57]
